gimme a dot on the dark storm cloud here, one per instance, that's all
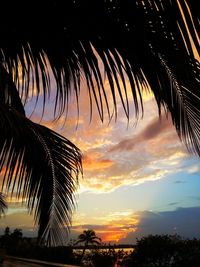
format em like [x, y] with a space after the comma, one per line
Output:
[182, 221]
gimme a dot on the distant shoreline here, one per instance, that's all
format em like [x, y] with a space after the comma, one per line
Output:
[120, 246]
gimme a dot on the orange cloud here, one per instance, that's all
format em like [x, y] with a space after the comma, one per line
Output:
[107, 233]
[111, 227]
[19, 219]
[112, 235]
[92, 162]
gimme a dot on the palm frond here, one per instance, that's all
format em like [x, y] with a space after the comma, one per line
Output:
[88, 236]
[133, 39]
[3, 205]
[41, 168]
[96, 242]
[9, 94]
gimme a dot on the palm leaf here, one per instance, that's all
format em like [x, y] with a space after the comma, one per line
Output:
[41, 168]
[9, 94]
[3, 205]
[149, 42]
[88, 236]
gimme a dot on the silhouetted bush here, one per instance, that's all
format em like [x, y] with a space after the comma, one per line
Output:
[104, 258]
[164, 251]
[188, 254]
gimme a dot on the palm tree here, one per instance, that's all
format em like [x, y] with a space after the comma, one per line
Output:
[152, 44]
[88, 237]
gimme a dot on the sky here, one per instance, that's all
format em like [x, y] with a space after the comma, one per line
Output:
[138, 177]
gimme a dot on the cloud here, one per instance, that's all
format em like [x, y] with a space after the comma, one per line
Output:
[126, 226]
[179, 182]
[16, 218]
[114, 156]
[173, 203]
[149, 155]
[182, 221]
[111, 228]
[194, 169]
[107, 233]
[195, 198]
[95, 162]
[152, 130]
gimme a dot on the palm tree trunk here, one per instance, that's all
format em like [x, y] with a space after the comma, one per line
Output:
[84, 249]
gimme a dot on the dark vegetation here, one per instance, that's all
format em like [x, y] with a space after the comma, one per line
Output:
[165, 251]
[18, 246]
[150, 251]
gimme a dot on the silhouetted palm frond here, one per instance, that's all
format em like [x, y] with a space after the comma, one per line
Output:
[9, 94]
[3, 205]
[88, 237]
[145, 41]
[41, 168]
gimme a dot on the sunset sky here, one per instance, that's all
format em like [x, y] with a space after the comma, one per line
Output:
[138, 177]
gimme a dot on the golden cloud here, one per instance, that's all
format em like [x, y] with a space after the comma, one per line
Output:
[17, 219]
[112, 226]
[92, 162]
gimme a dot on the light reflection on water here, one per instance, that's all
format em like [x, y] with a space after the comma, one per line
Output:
[128, 250]
[89, 252]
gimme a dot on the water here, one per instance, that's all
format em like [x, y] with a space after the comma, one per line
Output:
[79, 251]
[111, 251]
